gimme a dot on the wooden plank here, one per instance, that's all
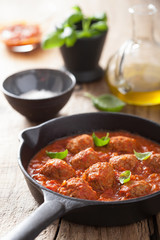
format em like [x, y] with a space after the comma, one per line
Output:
[16, 202]
[158, 224]
[137, 231]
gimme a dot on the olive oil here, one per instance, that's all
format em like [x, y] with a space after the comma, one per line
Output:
[138, 98]
[133, 72]
[140, 86]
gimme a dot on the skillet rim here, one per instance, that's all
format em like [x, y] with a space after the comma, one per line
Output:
[88, 202]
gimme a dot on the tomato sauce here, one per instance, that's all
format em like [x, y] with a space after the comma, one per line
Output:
[21, 34]
[92, 172]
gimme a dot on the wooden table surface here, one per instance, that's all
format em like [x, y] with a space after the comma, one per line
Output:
[16, 202]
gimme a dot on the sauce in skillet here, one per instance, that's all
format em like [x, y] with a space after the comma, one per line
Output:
[92, 172]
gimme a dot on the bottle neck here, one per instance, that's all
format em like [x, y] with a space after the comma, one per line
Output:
[143, 22]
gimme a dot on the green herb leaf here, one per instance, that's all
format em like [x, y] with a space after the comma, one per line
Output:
[74, 18]
[125, 177]
[66, 33]
[83, 34]
[100, 26]
[91, 26]
[77, 8]
[70, 40]
[59, 155]
[100, 142]
[69, 36]
[86, 24]
[53, 40]
[100, 17]
[142, 156]
[107, 102]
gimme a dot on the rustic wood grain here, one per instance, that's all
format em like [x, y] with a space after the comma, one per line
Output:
[137, 231]
[16, 202]
[158, 224]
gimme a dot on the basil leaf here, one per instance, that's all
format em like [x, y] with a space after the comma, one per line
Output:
[94, 32]
[83, 34]
[53, 40]
[100, 26]
[86, 24]
[66, 33]
[69, 35]
[70, 41]
[77, 8]
[59, 155]
[125, 177]
[100, 142]
[100, 17]
[74, 18]
[107, 102]
[142, 156]
[91, 26]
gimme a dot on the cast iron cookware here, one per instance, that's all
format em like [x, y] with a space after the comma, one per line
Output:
[77, 210]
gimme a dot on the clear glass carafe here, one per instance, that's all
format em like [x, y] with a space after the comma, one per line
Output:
[133, 72]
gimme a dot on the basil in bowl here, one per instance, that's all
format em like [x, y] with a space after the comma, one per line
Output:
[81, 40]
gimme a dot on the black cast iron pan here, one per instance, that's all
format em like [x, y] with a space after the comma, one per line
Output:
[80, 211]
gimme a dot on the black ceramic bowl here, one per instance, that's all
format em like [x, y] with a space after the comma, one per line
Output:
[82, 59]
[36, 107]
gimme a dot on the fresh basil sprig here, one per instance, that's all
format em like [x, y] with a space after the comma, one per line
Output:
[125, 177]
[59, 155]
[142, 156]
[100, 142]
[107, 102]
[76, 26]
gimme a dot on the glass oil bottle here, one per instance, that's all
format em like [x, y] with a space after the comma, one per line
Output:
[133, 72]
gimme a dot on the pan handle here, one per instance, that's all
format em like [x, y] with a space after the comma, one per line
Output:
[44, 215]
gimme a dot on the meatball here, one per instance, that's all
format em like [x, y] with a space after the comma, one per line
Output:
[78, 188]
[57, 169]
[153, 162]
[79, 143]
[85, 159]
[123, 162]
[100, 176]
[135, 189]
[122, 144]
